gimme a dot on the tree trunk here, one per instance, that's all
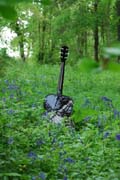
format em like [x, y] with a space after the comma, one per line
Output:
[118, 22]
[21, 41]
[96, 33]
[41, 31]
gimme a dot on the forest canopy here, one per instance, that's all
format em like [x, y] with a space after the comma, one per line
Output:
[91, 28]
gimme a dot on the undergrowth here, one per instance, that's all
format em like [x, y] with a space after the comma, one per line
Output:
[33, 148]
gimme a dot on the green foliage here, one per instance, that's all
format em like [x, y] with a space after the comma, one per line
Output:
[4, 61]
[34, 148]
[87, 65]
[7, 8]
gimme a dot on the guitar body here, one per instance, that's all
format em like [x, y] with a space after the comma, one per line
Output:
[58, 103]
[62, 104]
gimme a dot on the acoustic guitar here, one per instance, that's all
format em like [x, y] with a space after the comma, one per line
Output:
[59, 103]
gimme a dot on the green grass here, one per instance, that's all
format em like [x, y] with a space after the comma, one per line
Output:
[32, 148]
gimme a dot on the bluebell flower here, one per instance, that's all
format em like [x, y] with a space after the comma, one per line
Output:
[39, 142]
[33, 106]
[61, 144]
[116, 113]
[3, 90]
[106, 134]
[11, 96]
[69, 160]
[12, 87]
[42, 175]
[53, 140]
[10, 140]
[87, 118]
[32, 155]
[87, 159]
[61, 154]
[4, 99]
[118, 137]
[6, 81]
[10, 112]
[9, 125]
[86, 103]
[104, 98]
[33, 178]
[65, 178]
[99, 122]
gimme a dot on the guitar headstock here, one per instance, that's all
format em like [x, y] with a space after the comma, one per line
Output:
[64, 53]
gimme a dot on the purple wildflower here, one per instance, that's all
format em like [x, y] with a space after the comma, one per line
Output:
[116, 113]
[106, 134]
[11, 96]
[99, 122]
[4, 99]
[61, 144]
[104, 98]
[87, 118]
[118, 137]
[39, 142]
[12, 87]
[33, 178]
[86, 103]
[6, 81]
[42, 175]
[69, 160]
[10, 140]
[65, 178]
[32, 155]
[53, 140]
[33, 106]
[10, 112]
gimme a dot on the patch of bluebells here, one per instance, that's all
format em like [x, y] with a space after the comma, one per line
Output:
[6, 81]
[4, 99]
[10, 140]
[87, 103]
[106, 135]
[39, 142]
[105, 99]
[62, 153]
[3, 90]
[33, 106]
[12, 87]
[69, 160]
[118, 137]
[61, 144]
[32, 155]
[65, 178]
[54, 140]
[62, 168]
[33, 178]
[99, 124]
[116, 114]
[42, 175]
[86, 119]
[11, 96]
[10, 112]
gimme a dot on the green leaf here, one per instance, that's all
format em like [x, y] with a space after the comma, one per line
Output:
[8, 12]
[10, 174]
[11, 2]
[45, 2]
[7, 8]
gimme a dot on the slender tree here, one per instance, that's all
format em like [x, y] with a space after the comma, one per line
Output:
[96, 32]
[118, 22]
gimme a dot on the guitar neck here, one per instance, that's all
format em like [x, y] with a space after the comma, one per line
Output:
[61, 78]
